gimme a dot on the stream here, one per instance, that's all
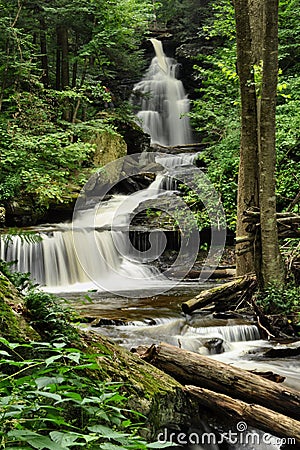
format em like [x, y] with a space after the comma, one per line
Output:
[92, 262]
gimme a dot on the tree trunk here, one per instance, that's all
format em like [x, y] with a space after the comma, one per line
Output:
[248, 168]
[44, 55]
[191, 368]
[62, 66]
[63, 32]
[252, 415]
[58, 62]
[272, 268]
[75, 64]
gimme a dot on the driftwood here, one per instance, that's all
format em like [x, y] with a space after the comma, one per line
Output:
[191, 368]
[250, 414]
[228, 292]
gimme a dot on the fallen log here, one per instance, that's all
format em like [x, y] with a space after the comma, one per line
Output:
[249, 414]
[191, 368]
[219, 293]
[196, 274]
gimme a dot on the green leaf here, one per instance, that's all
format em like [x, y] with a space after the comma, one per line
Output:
[35, 440]
[69, 438]
[52, 359]
[74, 357]
[107, 432]
[47, 381]
[109, 446]
[55, 397]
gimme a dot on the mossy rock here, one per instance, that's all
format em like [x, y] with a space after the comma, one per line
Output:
[109, 147]
[151, 392]
[13, 325]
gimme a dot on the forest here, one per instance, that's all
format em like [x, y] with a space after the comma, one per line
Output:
[70, 126]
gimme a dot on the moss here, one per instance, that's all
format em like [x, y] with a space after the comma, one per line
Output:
[109, 147]
[13, 325]
[151, 392]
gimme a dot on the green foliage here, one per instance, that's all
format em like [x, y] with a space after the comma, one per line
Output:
[54, 400]
[183, 17]
[40, 166]
[288, 145]
[20, 280]
[215, 114]
[281, 299]
[50, 316]
[45, 93]
[289, 36]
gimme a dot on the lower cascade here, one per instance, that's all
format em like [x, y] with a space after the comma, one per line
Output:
[55, 262]
[94, 251]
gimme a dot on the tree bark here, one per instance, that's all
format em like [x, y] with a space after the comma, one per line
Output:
[253, 415]
[62, 68]
[248, 167]
[44, 55]
[191, 368]
[272, 267]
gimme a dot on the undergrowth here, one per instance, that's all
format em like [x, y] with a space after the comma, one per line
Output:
[52, 395]
[48, 314]
[282, 301]
[54, 401]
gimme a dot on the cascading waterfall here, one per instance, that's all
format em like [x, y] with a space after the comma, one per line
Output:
[97, 259]
[162, 103]
[55, 262]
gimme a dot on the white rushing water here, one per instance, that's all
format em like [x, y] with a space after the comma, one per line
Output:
[162, 102]
[94, 252]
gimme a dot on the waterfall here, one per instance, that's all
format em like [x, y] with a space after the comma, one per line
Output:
[56, 263]
[162, 103]
[95, 250]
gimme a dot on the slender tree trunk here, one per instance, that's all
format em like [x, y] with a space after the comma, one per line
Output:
[272, 268]
[75, 64]
[44, 55]
[257, 45]
[58, 62]
[248, 168]
[63, 32]
[62, 58]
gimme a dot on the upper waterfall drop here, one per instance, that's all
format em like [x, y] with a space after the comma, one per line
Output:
[162, 103]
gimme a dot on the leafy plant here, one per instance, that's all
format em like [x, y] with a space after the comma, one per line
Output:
[50, 316]
[281, 300]
[54, 400]
[20, 280]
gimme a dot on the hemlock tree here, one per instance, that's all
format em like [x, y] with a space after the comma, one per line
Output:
[257, 61]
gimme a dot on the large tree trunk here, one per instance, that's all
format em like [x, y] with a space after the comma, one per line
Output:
[191, 368]
[248, 168]
[272, 268]
[249, 414]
